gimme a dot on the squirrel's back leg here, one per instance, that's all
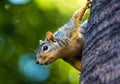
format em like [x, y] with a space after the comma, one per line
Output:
[77, 17]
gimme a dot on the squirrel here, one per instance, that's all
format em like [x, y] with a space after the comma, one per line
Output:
[66, 43]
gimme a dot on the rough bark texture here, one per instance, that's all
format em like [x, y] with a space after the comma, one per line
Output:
[101, 54]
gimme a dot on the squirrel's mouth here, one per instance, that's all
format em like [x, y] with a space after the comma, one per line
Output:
[45, 60]
[38, 61]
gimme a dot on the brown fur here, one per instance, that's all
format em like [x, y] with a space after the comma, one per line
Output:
[66, 43]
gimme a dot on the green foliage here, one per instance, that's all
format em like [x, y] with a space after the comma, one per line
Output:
[21, 28]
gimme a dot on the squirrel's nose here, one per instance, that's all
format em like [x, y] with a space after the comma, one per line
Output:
[37, 61]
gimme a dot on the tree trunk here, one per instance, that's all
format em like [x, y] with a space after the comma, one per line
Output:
[101, 53]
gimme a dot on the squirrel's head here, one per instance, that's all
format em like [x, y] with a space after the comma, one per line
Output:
[47, 50]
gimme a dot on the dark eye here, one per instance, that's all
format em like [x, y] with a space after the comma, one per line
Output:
[45, 47]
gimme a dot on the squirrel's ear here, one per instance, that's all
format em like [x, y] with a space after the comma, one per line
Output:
[49, 36]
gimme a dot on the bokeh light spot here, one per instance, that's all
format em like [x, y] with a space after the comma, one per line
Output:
[19, 2]
[31, 71]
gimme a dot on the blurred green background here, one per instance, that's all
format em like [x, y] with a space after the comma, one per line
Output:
[22, 24]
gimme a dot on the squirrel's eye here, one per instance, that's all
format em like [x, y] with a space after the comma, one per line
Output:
[45, 47]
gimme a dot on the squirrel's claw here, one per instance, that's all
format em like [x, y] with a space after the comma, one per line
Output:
[88, 3]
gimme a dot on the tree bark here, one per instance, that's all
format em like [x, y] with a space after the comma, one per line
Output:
[101, 53]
